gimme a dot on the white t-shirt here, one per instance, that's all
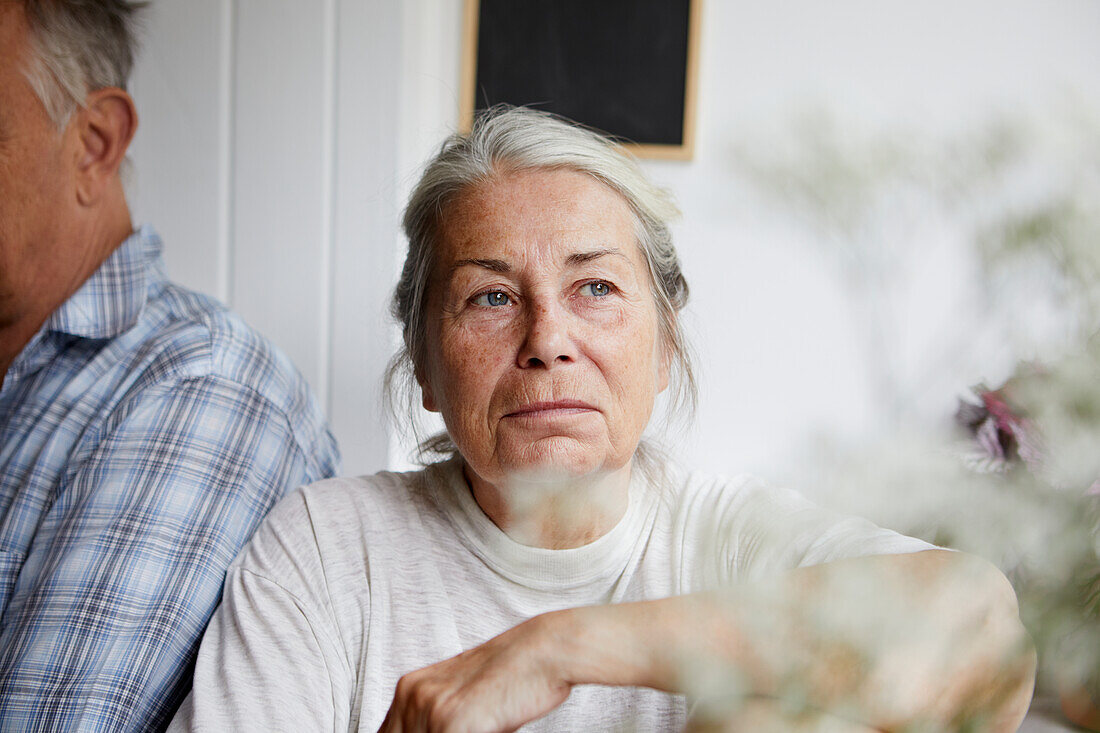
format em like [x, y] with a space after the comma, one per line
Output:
[350, 583]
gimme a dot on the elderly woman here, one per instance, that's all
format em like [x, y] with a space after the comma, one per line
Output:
[552, 573]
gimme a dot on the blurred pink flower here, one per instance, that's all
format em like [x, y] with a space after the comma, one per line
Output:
[1003, 435]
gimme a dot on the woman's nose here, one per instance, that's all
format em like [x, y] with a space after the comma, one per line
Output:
[548, 341]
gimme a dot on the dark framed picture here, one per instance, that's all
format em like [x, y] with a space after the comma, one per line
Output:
[625, 67]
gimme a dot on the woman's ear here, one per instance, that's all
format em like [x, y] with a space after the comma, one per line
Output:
[664, 363]
[105, 125]
[427, 395]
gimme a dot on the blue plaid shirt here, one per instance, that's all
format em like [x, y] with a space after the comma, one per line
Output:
[144, 433]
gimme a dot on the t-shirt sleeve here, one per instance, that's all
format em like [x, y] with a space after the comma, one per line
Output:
[128, 563]
[272, 656]
[742, 529]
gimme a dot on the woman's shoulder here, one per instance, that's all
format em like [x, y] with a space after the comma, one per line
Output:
[718, 507]
[340, 499]
[694, 504]
[344, 492]
[752, 526]
[690, 491]
[741, 503]
[334, 516]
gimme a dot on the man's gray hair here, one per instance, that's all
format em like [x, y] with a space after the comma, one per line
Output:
[507, 139]
[78, 46]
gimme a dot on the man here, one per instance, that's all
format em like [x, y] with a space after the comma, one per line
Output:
[144, 430]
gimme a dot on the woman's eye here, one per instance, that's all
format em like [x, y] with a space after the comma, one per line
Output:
[492, 298]
[597, 289]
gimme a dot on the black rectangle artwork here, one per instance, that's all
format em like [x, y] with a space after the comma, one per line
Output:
[619, 66]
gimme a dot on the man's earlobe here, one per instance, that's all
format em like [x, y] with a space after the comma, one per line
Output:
[105, 127]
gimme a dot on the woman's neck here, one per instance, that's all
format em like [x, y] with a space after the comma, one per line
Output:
[557, 515]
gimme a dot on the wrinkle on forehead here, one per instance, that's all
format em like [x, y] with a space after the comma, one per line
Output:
[571, 260]
[552, 226]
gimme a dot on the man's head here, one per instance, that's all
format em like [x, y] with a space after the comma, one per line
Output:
[65, 125]
[78, 46]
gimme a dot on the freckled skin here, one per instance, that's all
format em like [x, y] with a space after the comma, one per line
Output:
[572, 318]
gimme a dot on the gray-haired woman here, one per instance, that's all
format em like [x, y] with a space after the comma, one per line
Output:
[547, 574]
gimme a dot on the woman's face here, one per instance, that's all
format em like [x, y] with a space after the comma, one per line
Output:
[543, 350]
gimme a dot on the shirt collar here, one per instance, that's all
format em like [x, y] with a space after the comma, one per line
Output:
[111, 300]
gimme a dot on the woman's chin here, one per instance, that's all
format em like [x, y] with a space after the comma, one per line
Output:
[545, 474]
[553, 461]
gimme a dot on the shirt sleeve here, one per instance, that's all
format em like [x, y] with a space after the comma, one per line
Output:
[128, 562]
[272, 657]
[742, 529]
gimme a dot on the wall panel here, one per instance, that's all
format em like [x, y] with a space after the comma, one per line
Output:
[179, 181]
[281, 185]
[365, 225]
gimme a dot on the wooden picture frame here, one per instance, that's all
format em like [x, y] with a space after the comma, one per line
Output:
[626, 67]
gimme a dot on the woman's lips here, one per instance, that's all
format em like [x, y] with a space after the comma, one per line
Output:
[549, 409]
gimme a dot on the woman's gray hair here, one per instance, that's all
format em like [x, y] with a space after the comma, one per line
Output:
[507, 139]
[78, 46]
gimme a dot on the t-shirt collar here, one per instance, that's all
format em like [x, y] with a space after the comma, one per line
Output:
[539, 568]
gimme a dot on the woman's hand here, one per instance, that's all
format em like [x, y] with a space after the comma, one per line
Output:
[500, 685]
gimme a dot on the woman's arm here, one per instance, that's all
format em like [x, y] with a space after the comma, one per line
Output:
[266, 664]
[883, 641]
[273, 657]
[768, 715]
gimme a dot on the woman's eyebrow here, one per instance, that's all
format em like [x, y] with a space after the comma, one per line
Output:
[580, 258]
[502, 266]
[494, 265]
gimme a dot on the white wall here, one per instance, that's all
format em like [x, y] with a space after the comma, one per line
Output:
[266, 159]
[279, 139]
[778, 339]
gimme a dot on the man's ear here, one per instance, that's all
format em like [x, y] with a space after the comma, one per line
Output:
[104, 128]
